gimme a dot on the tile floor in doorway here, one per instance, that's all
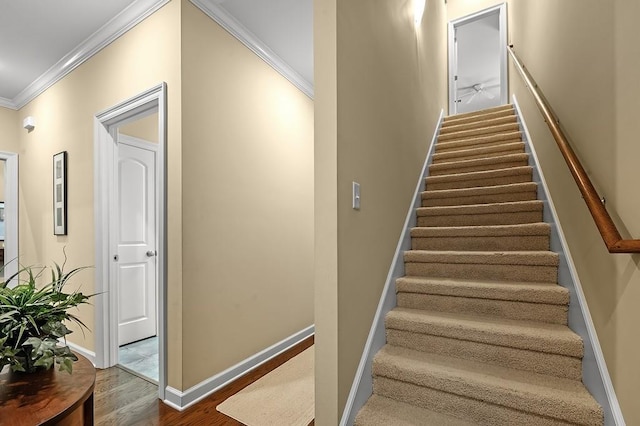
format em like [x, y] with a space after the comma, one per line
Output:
[141, 357]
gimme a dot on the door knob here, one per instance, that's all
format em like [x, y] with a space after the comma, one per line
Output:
[151, 253]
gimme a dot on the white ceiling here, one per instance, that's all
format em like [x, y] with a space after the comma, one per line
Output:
[42, 40]
[35, 34]
[286, 26]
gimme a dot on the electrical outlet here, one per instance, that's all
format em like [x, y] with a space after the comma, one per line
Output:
[356, 196]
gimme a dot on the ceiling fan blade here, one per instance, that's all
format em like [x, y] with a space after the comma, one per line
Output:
[472, 98]
[488, 94]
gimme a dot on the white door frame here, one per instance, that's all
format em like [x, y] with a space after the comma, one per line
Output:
[105, 161]
[504, 78]
[11, 241]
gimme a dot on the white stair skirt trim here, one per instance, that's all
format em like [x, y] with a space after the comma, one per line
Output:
[110, 31]
[181, 400]
[90, 355]
[579, 317]
[254, 43]
[362, 386]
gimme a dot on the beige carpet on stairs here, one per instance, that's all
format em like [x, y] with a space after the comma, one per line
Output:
[285, 396]
[479, 335]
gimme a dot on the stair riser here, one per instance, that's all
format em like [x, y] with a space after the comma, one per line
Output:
[556, 314]
[481, 413]
[520, 359]
[437, 170]
[474, 156]
[512, 218]
[479, 142]
[480, 199]
[528, 273]
[432, 185]
[466, 134]
[483, 243]
[458, 127]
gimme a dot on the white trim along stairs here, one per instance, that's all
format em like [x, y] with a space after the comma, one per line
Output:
[480, 333]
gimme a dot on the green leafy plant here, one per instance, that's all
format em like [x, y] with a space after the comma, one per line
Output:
[32, 320]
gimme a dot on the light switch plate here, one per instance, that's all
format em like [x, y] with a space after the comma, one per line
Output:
[356, 196]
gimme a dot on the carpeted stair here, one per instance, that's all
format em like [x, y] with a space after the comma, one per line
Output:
[479, 335]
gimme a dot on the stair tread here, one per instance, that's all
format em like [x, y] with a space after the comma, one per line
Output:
[531, 292]
[541, 394]
[478, 141]
[522, 334]
[479, 150]
[479, 161]
[455, 119]
[533, 257]
[522, 229]
[506, 107]
[489, 130]
[382, 411]
[488, 122]
[481, 190]
[484, 174]
[472, 209]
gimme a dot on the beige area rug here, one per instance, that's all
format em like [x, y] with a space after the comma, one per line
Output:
[284, 396]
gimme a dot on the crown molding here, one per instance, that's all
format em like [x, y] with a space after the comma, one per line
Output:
[212, 9]
[7, 103]
[109, 32]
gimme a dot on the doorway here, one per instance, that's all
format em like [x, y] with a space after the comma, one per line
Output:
[130, 217]
[9, 214]
[134, 225]
[478, 61]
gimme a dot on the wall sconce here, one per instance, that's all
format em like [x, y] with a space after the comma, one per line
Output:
[29, 123]
[418, 11]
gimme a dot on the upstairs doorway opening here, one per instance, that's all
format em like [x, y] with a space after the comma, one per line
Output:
[478, 60]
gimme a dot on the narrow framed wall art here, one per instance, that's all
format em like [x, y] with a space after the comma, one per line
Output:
[60, 193]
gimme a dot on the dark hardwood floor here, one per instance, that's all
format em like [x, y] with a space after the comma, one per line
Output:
[124, 399]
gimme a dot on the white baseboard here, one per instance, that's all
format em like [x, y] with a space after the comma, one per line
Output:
[90, 355]
[181, 400]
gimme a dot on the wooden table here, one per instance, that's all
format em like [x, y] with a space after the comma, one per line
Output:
[49, 397]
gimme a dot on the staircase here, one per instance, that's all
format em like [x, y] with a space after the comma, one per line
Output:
[479, 334]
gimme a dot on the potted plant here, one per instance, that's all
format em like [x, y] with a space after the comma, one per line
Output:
[32, 320]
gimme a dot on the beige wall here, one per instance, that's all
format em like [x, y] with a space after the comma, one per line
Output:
[144, 128]
[326, 211]
[142, 58]
[9, 128]
[247, 201]
[460, 8]
[380, 87]
[585, 57]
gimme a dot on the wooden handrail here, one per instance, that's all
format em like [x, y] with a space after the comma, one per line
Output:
[608, 230]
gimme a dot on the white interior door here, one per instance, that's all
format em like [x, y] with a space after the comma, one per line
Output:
[136, 242]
